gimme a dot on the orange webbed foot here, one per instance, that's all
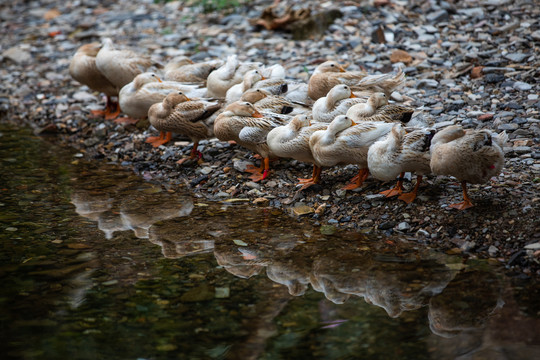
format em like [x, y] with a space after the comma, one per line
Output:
[253, 169]
[98, 113]
[392, 192]
[407, 197]
[111, 115]
[352, 186]
[256, 177]
[462, 205]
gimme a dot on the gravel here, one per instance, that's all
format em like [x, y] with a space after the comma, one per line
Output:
[440, 44]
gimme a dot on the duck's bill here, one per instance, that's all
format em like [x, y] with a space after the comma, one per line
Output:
[257, 114]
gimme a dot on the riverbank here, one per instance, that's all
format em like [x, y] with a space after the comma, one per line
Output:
[474, 64]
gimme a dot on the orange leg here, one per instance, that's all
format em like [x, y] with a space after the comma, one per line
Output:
[315, 179]
[194, 154]
[112, 110]
[265, 168]
[409, 197]
[358, 180]
[397, 190]
[466, 203]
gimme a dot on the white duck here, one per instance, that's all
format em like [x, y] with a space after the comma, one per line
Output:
[400, 152]
[471, 157]
[292, 141]
[229, 74]
[345, 142]
[147, 89]
[83, 69]
[182, 69]
[336, 102]
[120, 66]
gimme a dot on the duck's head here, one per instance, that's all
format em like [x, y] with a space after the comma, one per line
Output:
[107, 43]
[300, 121]
[90, 49]
[254, 95]
[340, 92]
[178, 62]
[341, 122]
[145, 78]
[252, 77]
[378, 99]
[176, 98]
[329, 66]
[243, 108]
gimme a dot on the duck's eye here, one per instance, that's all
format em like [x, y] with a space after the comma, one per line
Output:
[332, 65]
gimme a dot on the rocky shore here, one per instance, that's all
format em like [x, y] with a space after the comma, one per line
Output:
[473, 63]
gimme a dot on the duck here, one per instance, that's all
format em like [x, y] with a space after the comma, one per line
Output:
[264, 101]
[147, 89]
[377, 108]
[83, 69]
[227, 75]
[120, 66]
[400, 152]
[179, 114]
[368, 108]
[472, 156]
[292, 141]
[250, 79]
[243, 123]
[183, 69]
[336, 102]
[346, 142]
[330, 73]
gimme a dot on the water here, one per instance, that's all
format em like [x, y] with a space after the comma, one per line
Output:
[97, 264]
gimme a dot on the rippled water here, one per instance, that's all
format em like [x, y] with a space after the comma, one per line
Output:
[97, 264]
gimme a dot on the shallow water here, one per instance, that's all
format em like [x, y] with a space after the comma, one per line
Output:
[97, 264]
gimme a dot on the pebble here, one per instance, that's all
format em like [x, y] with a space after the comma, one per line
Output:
[522, 86]
[438, 42]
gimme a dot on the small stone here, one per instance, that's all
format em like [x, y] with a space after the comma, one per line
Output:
[476, 72]
[493, 78]
[516, 57]
[206, 170]
[387, 225]
[403, 226]
[222, 293]
[427, 83]
[534, 246]
[253, 185]
[400, 56]
[508, 127]
[437, 16]
[17, 55]
[241, 165]
[110, 282]
[485, 117]
[327, 229]
[522, 86]
[301, 210]
[261, 201]
[492, 250]
[11, 229]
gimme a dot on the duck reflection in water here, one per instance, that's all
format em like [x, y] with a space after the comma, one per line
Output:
[119, 206]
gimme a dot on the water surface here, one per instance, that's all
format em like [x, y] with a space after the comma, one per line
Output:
[98, 264]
